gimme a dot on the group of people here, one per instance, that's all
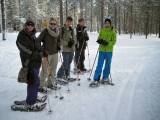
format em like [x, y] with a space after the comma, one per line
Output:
[43, 52]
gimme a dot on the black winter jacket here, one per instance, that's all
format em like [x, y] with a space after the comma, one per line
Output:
[82, 37]
[30, 50]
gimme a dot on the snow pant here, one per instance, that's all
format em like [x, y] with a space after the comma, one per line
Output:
[32, 89]
[64, 70]
[103, 57]
[79, 59]
[51, 65]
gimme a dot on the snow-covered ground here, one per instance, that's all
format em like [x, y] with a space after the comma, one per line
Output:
[135, 96]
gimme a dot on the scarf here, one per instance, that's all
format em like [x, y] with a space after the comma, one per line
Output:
[53, 33]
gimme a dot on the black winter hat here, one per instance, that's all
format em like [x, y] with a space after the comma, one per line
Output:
[107, 19]
[29, 22]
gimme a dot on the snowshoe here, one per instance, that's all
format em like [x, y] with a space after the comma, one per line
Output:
[23, 102]
[39, 99]
[54, 87]
[61, 81]
[106, 82]
[85, 70]
[72, 79]
[42, 90]
[29, 108]
[94, 84]
[75, 72]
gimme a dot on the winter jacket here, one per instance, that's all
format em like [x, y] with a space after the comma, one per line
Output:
[108, 35]
[67, 35]
[82, 37]
[30, 50]
[50, 40]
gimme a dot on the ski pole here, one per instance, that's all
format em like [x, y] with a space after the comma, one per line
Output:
[78, 79]
[89, 78]
[89, 58]
[48, 99]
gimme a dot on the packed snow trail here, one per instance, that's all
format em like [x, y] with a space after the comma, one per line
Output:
[135, 96]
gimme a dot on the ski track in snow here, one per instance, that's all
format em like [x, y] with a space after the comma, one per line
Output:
[135, 96]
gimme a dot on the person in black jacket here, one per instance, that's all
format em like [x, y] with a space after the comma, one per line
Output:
[82, 38]
[30, 54]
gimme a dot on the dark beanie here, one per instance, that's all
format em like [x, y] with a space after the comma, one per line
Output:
[28, 22]
[107, 20]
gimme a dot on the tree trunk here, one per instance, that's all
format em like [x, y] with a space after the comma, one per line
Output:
[131, 20]
[124, 22]
[66, 8]
[159, 23]
[61, 13]
[81, 8]
[147, 23]
[115, 15]
[91, 29]
[74, 7]
[119, 24]
[3, 19]
[102, 12]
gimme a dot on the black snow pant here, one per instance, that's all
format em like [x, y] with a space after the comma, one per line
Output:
[79, 59]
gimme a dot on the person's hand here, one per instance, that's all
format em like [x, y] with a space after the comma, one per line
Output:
[70, 43]
[45, 54]
[102, 42]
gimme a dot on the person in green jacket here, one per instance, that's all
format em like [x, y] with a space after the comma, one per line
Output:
[106, 41]
[68, 40]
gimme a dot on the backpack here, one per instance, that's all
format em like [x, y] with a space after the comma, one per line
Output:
[72, 31]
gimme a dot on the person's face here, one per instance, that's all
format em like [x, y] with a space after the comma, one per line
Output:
[107, 24]
[52, 24]
[30, 27]
[82, 23]
[68, 23]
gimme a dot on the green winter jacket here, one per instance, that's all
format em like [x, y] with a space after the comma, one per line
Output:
[109, 35]
[66, 35]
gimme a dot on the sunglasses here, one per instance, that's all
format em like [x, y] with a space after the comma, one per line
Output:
[53, 24]
[30, 24]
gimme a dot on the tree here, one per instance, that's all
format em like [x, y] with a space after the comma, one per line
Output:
[61, 12]
[91, 29]
[102, 12]
[81, 8]
[3, 19]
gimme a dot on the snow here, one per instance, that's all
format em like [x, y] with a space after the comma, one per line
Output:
[135, 96]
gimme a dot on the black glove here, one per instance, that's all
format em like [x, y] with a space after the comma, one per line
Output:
[77, 47]
[58, 48]
[70, 43]
[102, 42]
[36, 55]
[86, 38]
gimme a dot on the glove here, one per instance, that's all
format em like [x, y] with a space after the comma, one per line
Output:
[70, 43]
[36, 55]
[45, 54]
[102, 42]
[77, 47]
[58, 48]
